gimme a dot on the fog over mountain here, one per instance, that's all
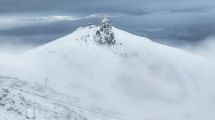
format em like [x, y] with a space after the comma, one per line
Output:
[107, 60]
[110, 74]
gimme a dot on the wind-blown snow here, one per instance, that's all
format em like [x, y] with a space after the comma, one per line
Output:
[135, 79]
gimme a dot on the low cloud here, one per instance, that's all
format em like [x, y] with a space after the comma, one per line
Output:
[204, 48]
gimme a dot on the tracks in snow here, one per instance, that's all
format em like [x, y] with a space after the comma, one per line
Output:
[60, 110]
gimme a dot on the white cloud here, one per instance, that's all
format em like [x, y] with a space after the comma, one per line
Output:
[36, 19]
[17, 21]
[102, 15]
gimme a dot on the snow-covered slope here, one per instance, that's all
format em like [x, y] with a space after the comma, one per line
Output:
[134, 79]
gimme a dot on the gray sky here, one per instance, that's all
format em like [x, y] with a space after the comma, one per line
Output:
[167, 21]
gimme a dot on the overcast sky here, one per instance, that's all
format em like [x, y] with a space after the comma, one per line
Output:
[167, 21]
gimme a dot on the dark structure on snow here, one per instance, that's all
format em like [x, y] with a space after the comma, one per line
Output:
[105, 35]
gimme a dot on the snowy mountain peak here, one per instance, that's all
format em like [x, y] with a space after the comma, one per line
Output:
[101, 69]
[102, 35]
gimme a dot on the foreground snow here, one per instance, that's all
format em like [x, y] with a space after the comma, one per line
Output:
[135, 79]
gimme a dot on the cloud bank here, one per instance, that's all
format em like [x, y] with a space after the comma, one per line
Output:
[170, 22]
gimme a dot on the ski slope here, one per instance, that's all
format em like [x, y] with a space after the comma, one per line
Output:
[134, 79]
